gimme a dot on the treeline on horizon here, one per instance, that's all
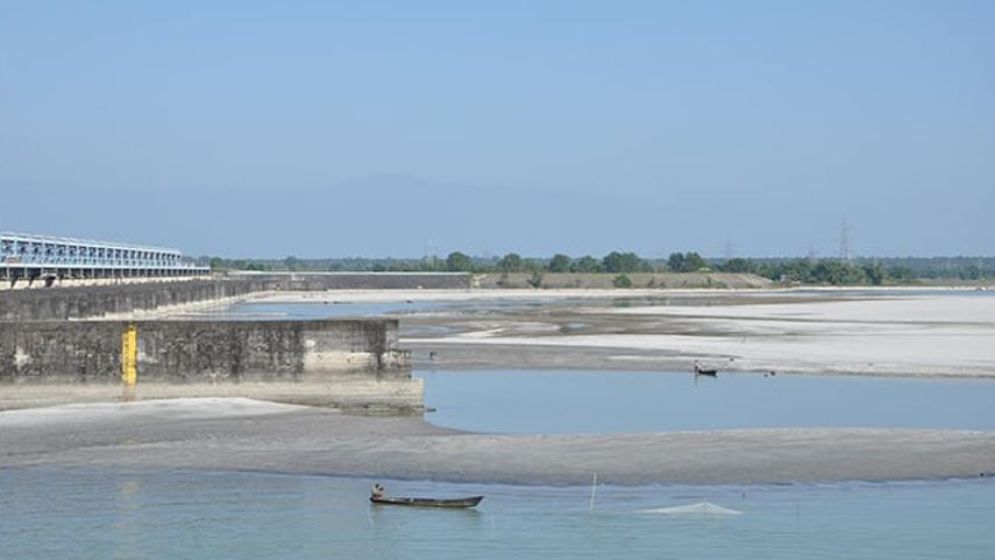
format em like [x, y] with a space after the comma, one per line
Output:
[859, 271]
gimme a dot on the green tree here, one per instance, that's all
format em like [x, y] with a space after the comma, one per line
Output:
[512, 262]
[292, 263]
[621, 262]
[838, 273]
[217, 263]
[459, 262]
[902, 274]
[622, 281]
[737, 265]
[687, 262]
[587, 263]
[693, 262]
[875, 273]
[676, 262]
[559, 263]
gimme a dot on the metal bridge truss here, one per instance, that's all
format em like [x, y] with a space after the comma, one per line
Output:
[33, 257]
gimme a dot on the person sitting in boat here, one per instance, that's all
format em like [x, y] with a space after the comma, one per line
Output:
[378, 491]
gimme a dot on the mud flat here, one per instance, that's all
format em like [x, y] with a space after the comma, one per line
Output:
[242, 434]
[866, 333]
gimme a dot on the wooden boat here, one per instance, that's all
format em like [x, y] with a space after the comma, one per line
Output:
[428, 502]
[698, 370]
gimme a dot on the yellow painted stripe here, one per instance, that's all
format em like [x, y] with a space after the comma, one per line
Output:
[129, 356]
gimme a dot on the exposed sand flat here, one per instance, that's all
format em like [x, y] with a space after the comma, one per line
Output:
[389, 296]
[162, 410]
[497, 294]
[343, 392]
[871, 332]
[866, 309]
[241, 434]
[842, 333]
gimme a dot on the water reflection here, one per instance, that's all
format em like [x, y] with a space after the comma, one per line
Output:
[127, 534]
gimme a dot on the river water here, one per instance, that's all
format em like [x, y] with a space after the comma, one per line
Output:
[50, 512]
[84, 514]
[572, 402]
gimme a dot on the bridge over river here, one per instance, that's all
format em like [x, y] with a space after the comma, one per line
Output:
[33, 258]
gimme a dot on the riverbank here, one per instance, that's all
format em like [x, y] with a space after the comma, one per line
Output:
[241, 434]
[862, 332]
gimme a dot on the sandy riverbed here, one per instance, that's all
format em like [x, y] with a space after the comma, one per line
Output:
[240, 434]
[870, 332]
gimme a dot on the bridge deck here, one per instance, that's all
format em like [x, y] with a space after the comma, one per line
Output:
[41, 256]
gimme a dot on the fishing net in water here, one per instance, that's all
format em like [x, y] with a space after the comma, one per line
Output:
[700, 508]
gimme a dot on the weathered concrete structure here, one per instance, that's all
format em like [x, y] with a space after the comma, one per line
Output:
[351, 364]
[201, 351]
[53, 349]
[97, 301]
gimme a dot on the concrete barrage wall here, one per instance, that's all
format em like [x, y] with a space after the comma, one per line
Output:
[96, 301]
[202, 351]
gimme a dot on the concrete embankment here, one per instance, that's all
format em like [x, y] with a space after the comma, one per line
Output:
[98, 301]
[53, 348]
[342, 363]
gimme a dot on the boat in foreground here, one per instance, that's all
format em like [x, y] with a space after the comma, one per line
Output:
[428, 502]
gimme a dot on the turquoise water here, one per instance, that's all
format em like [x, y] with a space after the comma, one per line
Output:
[62, 513]
[613, 402]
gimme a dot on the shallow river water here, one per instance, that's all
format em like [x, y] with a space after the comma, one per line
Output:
[612, 401]
[78, 513]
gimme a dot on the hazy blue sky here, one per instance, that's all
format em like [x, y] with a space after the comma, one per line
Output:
[382, 128]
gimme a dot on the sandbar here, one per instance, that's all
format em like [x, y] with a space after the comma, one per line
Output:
[241, 434]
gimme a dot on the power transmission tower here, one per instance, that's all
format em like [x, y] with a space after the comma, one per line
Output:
[430, 254]
[846, 252]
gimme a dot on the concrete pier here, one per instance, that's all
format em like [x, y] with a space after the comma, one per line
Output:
[194, 351]
[342, 363]
[67, 345]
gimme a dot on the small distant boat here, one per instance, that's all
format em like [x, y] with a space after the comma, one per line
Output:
[698, 370]
[428, 502]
